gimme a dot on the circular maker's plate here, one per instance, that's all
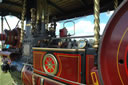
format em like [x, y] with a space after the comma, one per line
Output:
[50, 64]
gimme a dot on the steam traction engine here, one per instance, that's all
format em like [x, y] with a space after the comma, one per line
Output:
[36, 56]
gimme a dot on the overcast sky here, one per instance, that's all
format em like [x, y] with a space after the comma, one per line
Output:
[12, 22]
[83, 25]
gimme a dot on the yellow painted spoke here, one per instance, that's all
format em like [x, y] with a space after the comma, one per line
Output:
[52, 68]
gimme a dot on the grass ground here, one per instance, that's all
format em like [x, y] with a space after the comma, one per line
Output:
[5, 78]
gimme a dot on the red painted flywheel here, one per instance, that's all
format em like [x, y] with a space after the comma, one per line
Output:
[113, 52]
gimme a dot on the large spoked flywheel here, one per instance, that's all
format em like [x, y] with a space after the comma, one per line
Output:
[113, 53]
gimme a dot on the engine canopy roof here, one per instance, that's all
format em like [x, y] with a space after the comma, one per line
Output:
[61, 9]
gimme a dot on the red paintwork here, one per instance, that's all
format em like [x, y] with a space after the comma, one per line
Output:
[37, 60]
[89, 66]
[2, 37]
[113, 47]
[11, 37]
[44, 82]
[126, 67]
[27, 76]
[47, 82]
[63, 32]
[69, 66]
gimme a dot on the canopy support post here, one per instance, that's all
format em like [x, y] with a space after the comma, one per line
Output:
[22, 21]
[115, 4]
[2, 27]
[96, 23]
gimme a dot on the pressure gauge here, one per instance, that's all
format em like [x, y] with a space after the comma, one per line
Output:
[81, 43]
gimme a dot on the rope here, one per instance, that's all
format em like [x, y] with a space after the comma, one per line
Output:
[115, 4]
[22, 21]
[96, 23]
